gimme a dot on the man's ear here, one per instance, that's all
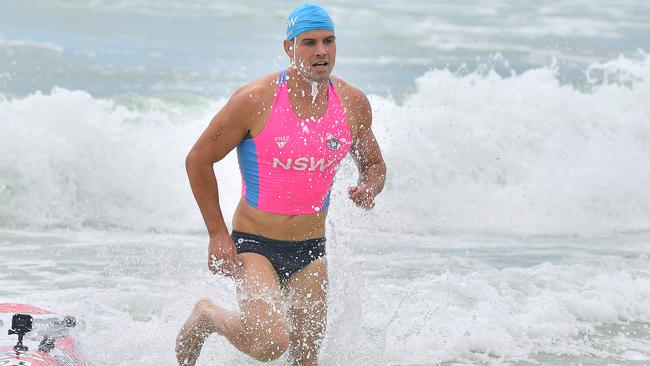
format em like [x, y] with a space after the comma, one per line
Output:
[288, 48]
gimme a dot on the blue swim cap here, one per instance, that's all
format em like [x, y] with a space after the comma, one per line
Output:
[308, 17]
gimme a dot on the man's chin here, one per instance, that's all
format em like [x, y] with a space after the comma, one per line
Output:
[318, 76]
[321, 77]
[314, 75]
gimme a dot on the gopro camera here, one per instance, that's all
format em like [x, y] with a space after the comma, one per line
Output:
[21, 324]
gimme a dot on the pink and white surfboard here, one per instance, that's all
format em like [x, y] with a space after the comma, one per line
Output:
[46, 324]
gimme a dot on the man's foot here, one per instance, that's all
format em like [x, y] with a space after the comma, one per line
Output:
[193, 333]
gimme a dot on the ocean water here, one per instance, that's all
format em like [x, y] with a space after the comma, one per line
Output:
[514, 228]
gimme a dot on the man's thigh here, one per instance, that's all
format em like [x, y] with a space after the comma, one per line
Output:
[306, 291]
[260, 303]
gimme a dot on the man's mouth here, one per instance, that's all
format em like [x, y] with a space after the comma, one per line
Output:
[321, 65]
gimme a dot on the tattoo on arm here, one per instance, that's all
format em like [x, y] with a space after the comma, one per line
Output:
[216, 136]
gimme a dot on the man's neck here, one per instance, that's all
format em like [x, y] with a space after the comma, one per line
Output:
[303, 89]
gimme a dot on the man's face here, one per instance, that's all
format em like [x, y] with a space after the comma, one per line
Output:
[315, 53]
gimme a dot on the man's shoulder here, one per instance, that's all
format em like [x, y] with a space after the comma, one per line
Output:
[346, 89]
[354, 100]
[257, 92]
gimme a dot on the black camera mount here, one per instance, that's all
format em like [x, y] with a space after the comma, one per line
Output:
[21, 324]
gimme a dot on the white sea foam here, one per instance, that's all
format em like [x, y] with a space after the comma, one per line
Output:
[70, 159]
[477, 153]
[405, 300]
[464, 311]
[9, 45]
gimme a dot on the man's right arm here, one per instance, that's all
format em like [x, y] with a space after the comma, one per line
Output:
[226, 130]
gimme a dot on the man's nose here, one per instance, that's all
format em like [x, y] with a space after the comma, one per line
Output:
[321, 49]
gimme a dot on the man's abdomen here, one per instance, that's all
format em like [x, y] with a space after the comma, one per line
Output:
[280, 227]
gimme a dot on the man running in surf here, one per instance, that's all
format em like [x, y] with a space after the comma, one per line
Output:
[291, 129]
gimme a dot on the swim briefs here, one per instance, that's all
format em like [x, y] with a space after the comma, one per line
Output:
[287, 257]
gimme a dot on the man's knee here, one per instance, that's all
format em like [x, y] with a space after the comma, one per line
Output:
[269, 349]
[203, 305]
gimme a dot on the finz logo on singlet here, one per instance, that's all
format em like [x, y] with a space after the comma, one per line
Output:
[281, 141]
[302, 163]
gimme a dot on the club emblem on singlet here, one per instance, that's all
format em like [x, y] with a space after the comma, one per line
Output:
[332, 142]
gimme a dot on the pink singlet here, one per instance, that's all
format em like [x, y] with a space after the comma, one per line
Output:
[289, 167]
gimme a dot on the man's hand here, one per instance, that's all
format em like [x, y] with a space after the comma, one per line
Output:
[222, 255]
[363, 196]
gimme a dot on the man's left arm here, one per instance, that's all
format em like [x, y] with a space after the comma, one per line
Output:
[367, 156]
